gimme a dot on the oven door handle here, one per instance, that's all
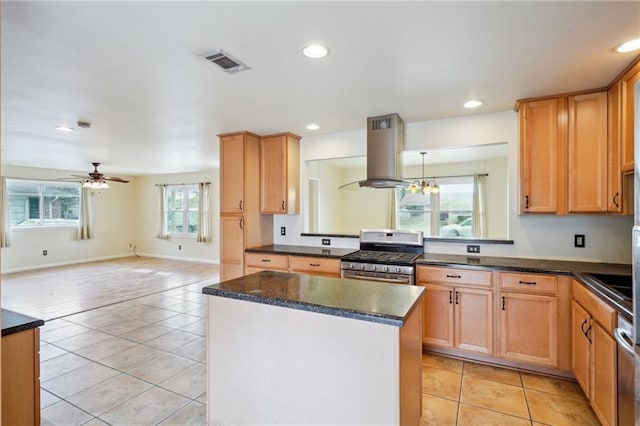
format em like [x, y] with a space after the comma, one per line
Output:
[406, 280]
[623, 338]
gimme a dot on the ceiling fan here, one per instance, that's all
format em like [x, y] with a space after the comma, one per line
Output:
[97, 180]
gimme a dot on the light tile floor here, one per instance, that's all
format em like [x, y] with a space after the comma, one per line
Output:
[461, 393]
[138, 362]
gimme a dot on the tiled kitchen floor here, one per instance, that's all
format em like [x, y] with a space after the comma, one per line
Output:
[465, 393]
[140, 360]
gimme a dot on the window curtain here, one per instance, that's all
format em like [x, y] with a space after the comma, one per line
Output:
[163, 231]
[434, 216]
[85, 225]
[5, 226]
[479, 224]
[203, 234]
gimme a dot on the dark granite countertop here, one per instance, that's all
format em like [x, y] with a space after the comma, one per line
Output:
[301, 250]
[361, 300]
[14, 322]
[564, 267]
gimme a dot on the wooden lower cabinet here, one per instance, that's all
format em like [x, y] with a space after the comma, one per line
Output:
[581, 353]
[595, 352]
[323, 266]
[255, 262]
[21, 378]
[231, 246]
[603, 374]
[458, 317]
[528, 327]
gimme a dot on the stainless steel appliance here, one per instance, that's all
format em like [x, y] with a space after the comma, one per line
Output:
[385, 255]
[624, 337]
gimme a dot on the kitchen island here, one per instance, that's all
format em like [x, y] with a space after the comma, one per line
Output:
[298, 349]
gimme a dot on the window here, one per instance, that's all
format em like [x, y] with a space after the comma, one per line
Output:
[43, 203]
[447, 213]
[182, 209]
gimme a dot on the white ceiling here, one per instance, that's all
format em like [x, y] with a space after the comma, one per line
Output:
[131, 69]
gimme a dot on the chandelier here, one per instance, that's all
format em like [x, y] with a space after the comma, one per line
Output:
[95, 184]
[426, 186]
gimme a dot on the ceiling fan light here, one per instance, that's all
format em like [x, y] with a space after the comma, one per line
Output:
[86, 184]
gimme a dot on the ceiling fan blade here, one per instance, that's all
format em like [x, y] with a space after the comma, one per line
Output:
[115, 179]
[81, 176]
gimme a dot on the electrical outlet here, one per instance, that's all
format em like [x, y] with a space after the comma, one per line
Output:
[44, 252]
[473, 249]
[326, 242]
[578, 240]
[283, 230]
[179, 246]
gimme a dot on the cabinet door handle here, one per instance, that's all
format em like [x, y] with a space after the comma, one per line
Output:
[615, 200]
[453, 276]
[503, 302]
[283, 209]
[527, 282]
[314, 264]
[450, 296]
[241, 205]
[582, 326]
[241, 223]
[526, 202]
[457, 297]
[266, 260]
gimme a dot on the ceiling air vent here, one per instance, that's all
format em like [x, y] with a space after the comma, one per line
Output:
[225, 61]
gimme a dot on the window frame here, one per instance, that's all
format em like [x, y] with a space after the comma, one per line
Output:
[184, 188]
[42, 185]
[435, 206]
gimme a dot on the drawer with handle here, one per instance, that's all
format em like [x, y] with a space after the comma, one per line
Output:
[328, 267]
[457, 276]
[528, 283]
[267, 261]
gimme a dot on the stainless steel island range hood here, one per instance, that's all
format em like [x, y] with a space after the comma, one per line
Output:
[385, 142]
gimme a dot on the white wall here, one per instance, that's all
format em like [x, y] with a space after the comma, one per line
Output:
[124, 215]
[147, 220]
[113, 220]
[608, 238]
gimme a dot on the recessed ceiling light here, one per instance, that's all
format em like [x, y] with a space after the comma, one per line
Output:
[629, 46]
[313, 126]
[472, 104]
[315, 51]
[64, 128]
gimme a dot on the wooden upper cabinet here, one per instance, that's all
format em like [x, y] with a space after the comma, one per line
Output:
[232, 171]
[542, 146]
[280, 174]
[614, 147]
[628, 82]
[587, 153]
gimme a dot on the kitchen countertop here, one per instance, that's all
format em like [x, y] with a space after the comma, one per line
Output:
[14, 322]
[368, 301]
[564, 267]
[301, 250]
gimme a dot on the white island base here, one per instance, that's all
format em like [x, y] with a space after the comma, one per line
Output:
[275, 365]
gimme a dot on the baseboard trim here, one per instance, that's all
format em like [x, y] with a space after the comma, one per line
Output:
[99, 258]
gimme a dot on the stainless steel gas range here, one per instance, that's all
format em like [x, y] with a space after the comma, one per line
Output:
[385, 255]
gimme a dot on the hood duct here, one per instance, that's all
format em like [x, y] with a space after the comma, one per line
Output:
[385, 142]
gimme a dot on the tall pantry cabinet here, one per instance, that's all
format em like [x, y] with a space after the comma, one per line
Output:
[241, 224]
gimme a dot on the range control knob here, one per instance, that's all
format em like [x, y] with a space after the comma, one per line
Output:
[373, 267]
[385, 268]
[397, 269]
[362, 266]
